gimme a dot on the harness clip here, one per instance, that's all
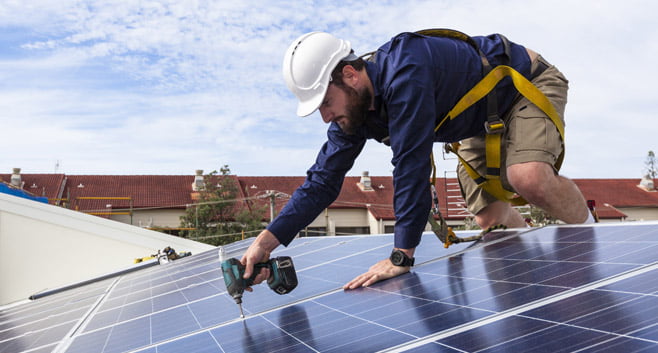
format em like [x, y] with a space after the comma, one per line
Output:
[494, 127]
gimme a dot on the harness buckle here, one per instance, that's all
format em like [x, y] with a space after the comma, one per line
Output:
[494, 127]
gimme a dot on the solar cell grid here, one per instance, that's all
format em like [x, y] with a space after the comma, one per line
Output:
[553, 289]
[518, 334]
[134, 299]
[587, 320]
[645, 283]
[174, 301]
[41, 324]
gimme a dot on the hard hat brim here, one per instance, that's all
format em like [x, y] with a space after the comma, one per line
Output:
[308, 107]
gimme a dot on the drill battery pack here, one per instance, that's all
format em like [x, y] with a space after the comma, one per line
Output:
[283, 278]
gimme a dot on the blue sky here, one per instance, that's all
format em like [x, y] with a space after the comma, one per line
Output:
[170, 86]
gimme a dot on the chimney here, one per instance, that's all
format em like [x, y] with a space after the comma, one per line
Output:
[365, 184]
[15, 180]
[646, 183]
[198, 180]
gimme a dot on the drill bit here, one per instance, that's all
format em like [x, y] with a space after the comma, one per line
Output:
[241, 312]
[238, 300]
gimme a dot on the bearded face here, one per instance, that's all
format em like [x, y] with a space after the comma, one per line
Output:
[346, 106]
[358, 104]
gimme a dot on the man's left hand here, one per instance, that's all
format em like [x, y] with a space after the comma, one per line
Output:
[380, 271]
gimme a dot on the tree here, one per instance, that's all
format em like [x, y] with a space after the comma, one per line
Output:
[652, 165]
[218, 218]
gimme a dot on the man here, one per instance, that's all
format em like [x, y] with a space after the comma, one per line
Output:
[398, 97]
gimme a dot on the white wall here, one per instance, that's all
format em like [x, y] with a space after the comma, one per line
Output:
[378, 226]
[45, 247]
[152, 218]
[352, 217]
[640, 213]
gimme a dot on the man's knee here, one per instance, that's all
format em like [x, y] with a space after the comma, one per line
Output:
[532, 180]
[485, 220]
[499, 212]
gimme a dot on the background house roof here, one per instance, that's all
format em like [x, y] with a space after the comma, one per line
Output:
[166, 191]
[617, 192]
[175, 191]
[47, 185]
[257, 189]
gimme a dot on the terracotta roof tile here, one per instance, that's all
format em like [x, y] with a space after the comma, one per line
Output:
[606, 211]
[47, 185]
[175, 191]
[617, 192]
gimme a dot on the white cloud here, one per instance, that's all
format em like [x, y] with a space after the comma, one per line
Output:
[134, 87]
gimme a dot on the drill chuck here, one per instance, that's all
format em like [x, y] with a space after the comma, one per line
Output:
[233, 271]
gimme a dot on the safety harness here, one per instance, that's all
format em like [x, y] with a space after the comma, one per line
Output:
[494, 127]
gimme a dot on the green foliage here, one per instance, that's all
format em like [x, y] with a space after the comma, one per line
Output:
[537, 216]
[217, 217]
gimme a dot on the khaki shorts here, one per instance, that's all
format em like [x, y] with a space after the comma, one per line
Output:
[530, 136]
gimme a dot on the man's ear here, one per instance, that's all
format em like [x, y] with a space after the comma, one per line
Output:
[349, 74]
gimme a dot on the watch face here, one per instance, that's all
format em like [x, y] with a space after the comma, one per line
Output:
[397, 258]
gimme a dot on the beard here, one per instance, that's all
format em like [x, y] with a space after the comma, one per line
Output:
[357, 108]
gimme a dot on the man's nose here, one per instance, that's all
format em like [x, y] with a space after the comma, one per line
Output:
[326, 115]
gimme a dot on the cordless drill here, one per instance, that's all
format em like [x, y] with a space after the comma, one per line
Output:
[282, 280]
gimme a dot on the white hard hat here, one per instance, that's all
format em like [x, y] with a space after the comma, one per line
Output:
[307, 67]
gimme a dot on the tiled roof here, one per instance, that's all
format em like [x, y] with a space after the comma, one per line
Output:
[607, 211]
[47, 185]
[617, 192]
[257, 189]
[379, 200]
[161, 191]
[175, 191]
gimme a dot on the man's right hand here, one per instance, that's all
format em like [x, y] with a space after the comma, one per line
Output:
[259, 251]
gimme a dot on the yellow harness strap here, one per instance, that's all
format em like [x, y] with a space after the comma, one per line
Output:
[491, 183]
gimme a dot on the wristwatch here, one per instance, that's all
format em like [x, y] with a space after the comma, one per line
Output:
[399, 258]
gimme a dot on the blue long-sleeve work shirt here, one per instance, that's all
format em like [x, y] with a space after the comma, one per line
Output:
[416, 81]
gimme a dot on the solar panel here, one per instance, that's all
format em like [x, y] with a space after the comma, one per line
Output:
[41, 325]
[558, 288]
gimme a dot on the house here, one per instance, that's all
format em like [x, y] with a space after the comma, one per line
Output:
[622, 199]
[364, 205]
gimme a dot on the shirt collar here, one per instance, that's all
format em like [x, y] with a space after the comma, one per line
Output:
[373, 74]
